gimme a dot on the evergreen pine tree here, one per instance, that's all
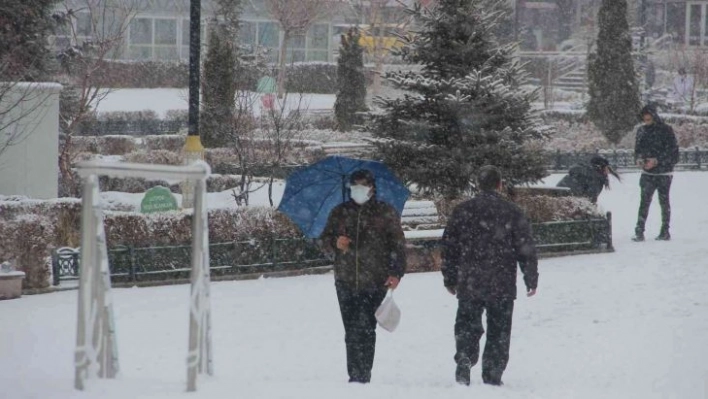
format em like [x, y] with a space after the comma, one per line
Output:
[465, 107]
[24, 28]
[612, 80]
[351, 81]
[218, 89]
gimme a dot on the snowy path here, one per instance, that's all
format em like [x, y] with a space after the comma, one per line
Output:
[633, 324]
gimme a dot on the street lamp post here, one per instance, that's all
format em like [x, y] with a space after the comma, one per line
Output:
[193, 149]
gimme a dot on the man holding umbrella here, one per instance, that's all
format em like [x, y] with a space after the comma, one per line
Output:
[365, 238]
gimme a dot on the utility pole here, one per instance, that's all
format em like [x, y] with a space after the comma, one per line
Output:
[642, 22]
[193, 149]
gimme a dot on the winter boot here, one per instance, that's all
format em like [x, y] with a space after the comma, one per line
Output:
[492, 379]
[638, 237]
[664, 235]
[462, 373]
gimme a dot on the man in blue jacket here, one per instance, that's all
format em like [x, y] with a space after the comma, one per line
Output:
[656, 152]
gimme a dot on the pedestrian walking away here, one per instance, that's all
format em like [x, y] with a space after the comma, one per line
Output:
[588, 179]
[365, 239]
[486, 237]
[656, 152]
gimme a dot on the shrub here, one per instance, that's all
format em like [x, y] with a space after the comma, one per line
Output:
[116, 145]
[169, 142]
[538, 208]
[312, 78]
[162, 157]
[316, 77]
[29, 229]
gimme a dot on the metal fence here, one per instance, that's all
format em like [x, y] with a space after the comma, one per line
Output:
[136, 264]
[689, 159]
[562, 237]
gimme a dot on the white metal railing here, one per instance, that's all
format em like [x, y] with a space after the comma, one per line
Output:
[196, 171]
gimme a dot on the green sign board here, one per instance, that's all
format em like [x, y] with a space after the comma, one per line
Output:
[158, 199]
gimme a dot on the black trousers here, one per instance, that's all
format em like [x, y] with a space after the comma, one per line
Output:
[469, 330]
[358, 308]
[649, 185]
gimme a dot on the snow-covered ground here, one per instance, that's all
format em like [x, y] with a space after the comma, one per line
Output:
[163, 100]
[631, 324]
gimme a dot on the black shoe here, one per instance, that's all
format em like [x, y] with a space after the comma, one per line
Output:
[462, 374]
[664, 236]
[639, 237]
[492, 379]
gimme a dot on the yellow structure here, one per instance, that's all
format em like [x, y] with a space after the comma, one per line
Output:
[193, 151]
[385, 34]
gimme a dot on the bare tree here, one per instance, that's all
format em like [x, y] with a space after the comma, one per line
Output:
[243, 139]
[385, 20]
[295, 17]
[695, 62]
[281, 126]
[93, 43]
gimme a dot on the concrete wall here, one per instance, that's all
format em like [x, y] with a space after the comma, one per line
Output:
[29, 139]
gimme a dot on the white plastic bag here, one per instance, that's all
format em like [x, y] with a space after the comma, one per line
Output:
[388, 315]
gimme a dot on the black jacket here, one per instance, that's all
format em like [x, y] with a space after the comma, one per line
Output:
[657, 141]
[584, 180]
[484, 240]
[377, 248]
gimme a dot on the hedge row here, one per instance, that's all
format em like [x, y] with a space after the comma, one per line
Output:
[29, 230]
[318, 77]
[579, 116]
[139, 123]
[538, 208]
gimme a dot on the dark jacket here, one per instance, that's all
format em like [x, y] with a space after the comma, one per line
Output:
[657, 141]
[584, 180]
[484, 240]
[377, 249]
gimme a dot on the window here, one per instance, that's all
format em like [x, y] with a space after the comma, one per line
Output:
[268, 34]
[696, 24]
[154, 38]
[185, 40]
[319, 36]
[141, 31]
[318, 43]
[140, 52]
[166, 39]
[83, 25]
[248, 33]
[166, 32]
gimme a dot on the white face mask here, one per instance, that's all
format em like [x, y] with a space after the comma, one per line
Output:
[360, 194]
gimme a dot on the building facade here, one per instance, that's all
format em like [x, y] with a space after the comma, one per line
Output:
[159, 29]
[685, 21]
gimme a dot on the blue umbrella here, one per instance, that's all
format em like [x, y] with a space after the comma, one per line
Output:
[312, 192]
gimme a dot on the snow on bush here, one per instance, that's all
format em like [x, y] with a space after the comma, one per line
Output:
[585, 137]
[29, 229]
[105, 145]
[169, 142]
[538, 208]
[161, 157]
[541, 208]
